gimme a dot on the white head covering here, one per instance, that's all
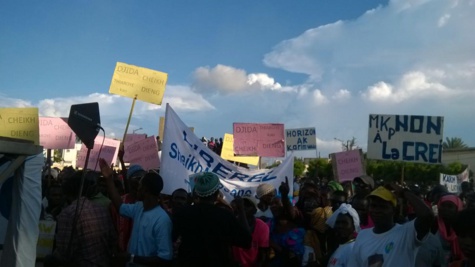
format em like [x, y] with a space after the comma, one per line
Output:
[345, 209]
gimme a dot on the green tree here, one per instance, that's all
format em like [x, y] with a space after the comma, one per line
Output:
[299, 167]
[320, 167]
[454, 143]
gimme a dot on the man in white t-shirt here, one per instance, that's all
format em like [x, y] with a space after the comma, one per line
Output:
[388, 244]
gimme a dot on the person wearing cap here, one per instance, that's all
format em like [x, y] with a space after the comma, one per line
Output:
[151, 239]
[265, 193]
[387, 243]
[208, 232]
[363, 185]
[257, 255]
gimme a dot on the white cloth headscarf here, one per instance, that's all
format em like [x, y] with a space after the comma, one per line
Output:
[345, 209]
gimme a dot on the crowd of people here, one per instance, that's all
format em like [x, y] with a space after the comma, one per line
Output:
[123, 219]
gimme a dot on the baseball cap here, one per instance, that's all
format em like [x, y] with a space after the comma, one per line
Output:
[384, 194]
[133, 170]
[366, 179]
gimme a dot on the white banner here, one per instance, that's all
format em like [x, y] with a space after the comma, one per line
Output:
[184, 154]
[300, 139]
[405, 138]
[453, 182]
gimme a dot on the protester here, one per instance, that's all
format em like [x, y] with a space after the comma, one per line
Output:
[257, 255]
[85, 234]
[207, 231]
[388, 243]
[363, 185]
[287, 239]
[345, 222]
[360, 204]
[54, 196]
[178, 200]
[124, 224]
[150, 242]
[463, 226]
[265, 193]
[448, 207]
[337, 198]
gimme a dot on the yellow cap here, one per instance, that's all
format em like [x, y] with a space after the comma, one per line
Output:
[385, 194]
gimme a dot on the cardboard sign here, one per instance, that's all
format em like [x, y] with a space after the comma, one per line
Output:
[132, 81]
[129, 140]
[453, 182]
[228, 152]
[20, 123]
[109, 152]
[259, 139]
[144, 153]
[405, 138]
[300, 139]
[184, 154]
[56, 134]
[348, 165]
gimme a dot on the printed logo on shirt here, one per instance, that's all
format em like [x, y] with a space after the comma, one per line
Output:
[375, 260]
[333, 261]
[389, 247]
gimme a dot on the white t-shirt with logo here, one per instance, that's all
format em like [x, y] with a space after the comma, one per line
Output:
[396, 247]
[341, 256]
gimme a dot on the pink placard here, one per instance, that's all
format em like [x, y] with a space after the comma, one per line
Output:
[129, 140]
[144, 153]
[56, 134]
[259, 139]
[109, 152]
[349, 165]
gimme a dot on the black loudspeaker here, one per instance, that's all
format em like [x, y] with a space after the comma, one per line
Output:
[85, 121]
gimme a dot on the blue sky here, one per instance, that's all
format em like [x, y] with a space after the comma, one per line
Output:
[326, 64]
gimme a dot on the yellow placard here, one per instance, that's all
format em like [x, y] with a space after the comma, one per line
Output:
[132, 81]
[228, 152]
[20, 123]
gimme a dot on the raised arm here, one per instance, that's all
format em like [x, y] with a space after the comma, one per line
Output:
[113, 194]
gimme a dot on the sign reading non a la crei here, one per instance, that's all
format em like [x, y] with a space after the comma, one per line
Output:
[407, 138]
[133, 81]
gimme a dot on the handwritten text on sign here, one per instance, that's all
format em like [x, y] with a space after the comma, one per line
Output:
[129, 140]
[56, 134]
[300, 139]
[349, 164]
[405, 138]
[228, 153]
[144, 153]
[20, 123]
[108, 152]
[130, 81]
[259, 139]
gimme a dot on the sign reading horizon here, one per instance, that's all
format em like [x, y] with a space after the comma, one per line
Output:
[407, 138]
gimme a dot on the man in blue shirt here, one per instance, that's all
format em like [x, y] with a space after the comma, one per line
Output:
[151, 240]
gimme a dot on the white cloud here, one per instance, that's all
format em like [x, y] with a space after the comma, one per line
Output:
[320, 99]
[443, 20]
[407, 57]
[342, 94]
[227, 80]
[114, 110]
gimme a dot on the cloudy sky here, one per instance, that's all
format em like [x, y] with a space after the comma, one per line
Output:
[322, 64]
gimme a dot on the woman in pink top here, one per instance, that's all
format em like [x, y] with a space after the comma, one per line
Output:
[360, 204]
[257, 255]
